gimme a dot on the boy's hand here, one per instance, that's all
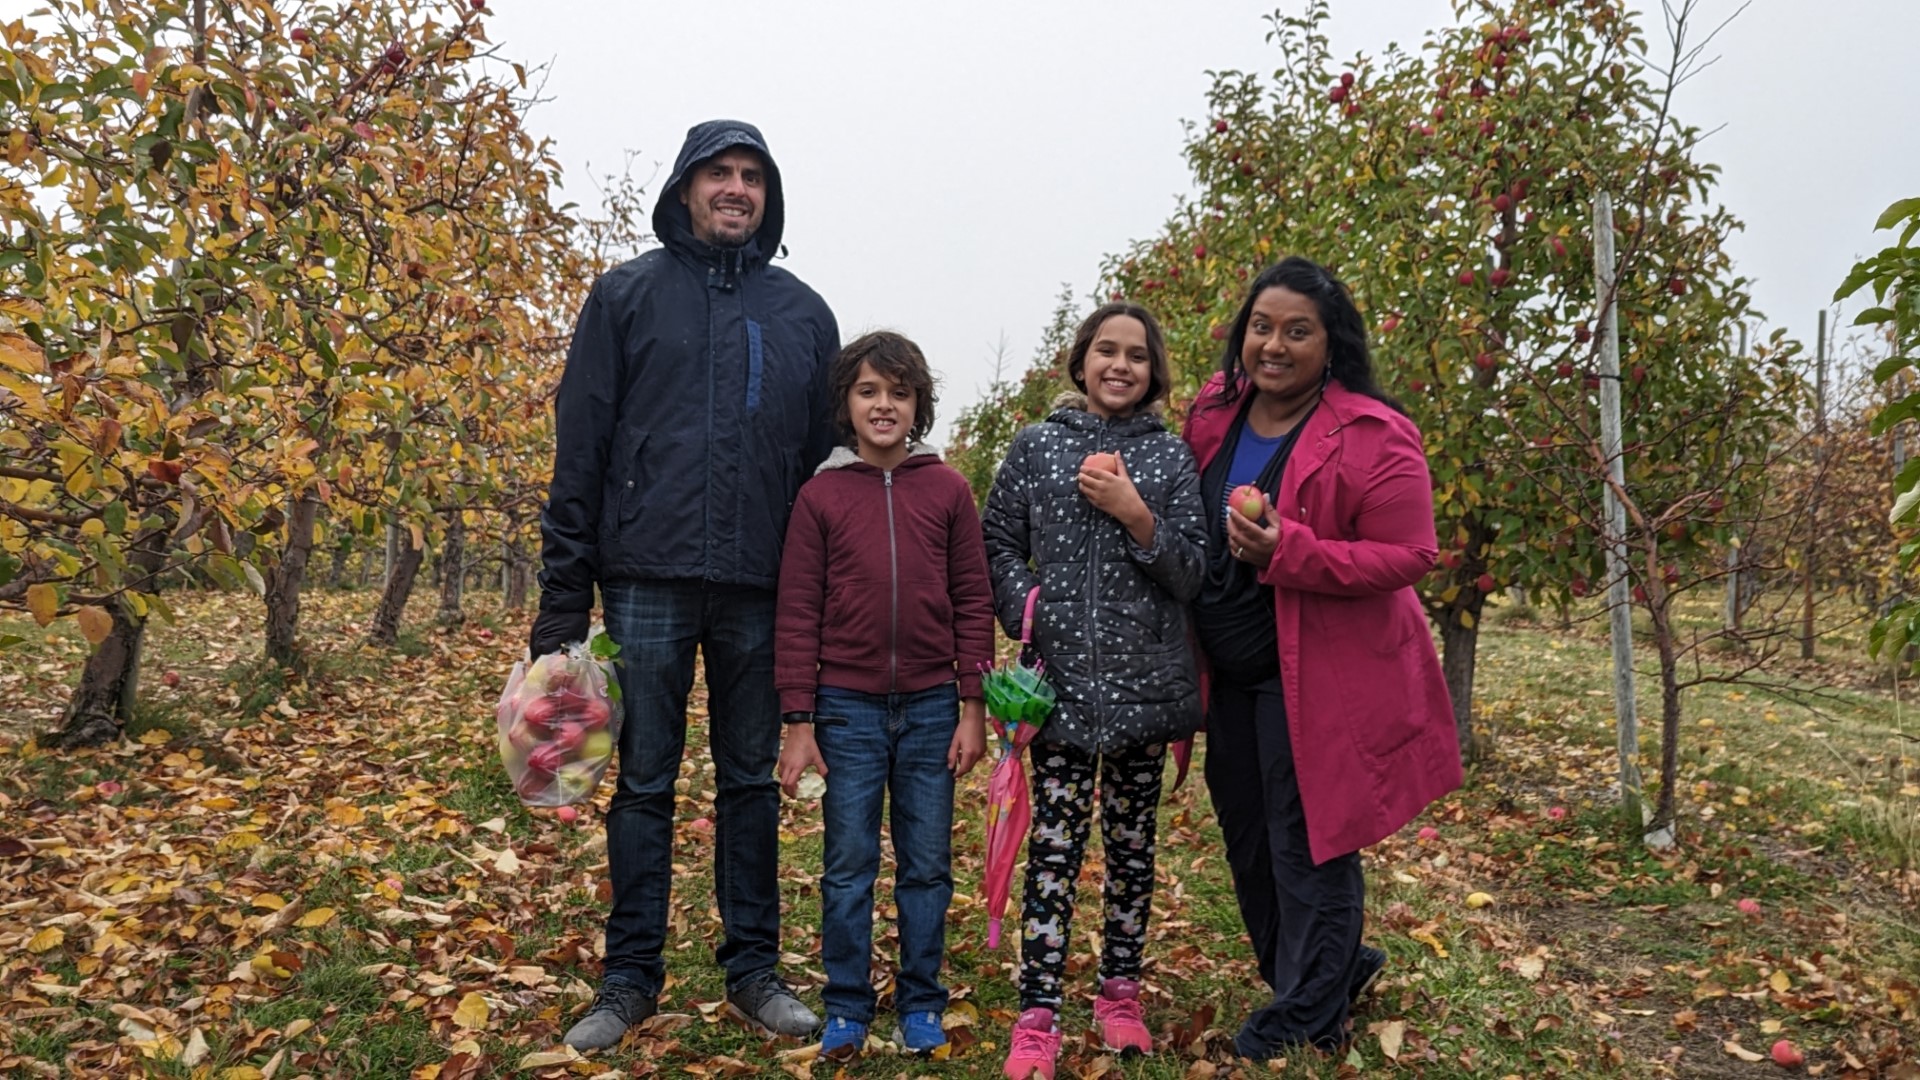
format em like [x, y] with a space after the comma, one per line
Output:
[969, 738]
[797, 752]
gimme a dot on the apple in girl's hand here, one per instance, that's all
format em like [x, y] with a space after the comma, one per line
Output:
[1102, 461]
[1249, 500]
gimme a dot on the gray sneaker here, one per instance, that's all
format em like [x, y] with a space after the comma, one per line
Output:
[618, 1006]
[766, 1005]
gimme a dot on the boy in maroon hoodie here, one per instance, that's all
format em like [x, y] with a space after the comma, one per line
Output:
[884, 622]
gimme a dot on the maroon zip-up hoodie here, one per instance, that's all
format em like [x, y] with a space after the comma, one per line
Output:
[883, 582]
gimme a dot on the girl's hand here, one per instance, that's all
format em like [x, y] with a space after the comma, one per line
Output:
[797, 752]
[1254, 542]
[1114, 494]
[969, 743]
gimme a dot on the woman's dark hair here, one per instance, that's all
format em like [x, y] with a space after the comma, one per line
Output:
[893, 356]
[1159, 371]
[1348, 360]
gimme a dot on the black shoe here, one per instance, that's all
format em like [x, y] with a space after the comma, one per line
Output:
[766, 1004]
[618, 1006]
[1367, 971]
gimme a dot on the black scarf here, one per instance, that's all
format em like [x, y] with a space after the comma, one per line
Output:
[1233, 615]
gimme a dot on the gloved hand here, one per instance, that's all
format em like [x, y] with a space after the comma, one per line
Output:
[555, 630]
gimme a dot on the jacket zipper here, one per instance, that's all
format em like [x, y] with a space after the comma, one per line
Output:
[1093, 608]
[893, 577]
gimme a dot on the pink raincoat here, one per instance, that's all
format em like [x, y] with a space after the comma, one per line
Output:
[1367, 705]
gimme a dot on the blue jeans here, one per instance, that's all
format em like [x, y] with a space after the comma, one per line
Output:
[658, 624]
[890, 744]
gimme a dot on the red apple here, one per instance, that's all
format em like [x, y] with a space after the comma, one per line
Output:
[1220, 126]
[1428, 834]
[1199, 251]
[1486, 583]
[1249, 500]
[594, 713]
[301, 35]
[1581, 334]
[540, 713]
[171, 679]
[396, 55]
[1748, 906]
[568, 738]
[1452, 559]
[1485, 362]
[532, 786]
[1639, 594]
[1501, 203]
[1499, 278]
[546, 758]
[567, 814]
[1387, 324]
[1639, 373]
[1466, 277]
[1559, 248]
[1346, 78]
[1556, 812]
[1219, 332]
[1101, 462]
[1564, 370]
[1486, 126]
[1579, 587]
[1677, 286]
[524, 737]
[1788, 1056]
[701, 824]
[1337, 95]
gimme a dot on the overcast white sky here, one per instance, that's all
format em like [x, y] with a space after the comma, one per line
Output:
[948, 167]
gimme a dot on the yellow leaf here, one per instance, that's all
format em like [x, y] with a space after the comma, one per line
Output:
[540, 1059]
[317, 917]
[155, 737]
[1426, 937]
[1780, 982]
[267, 901]
[1392, 1034]
[241, 1072]
[44, 601]
[1479, 899]
[46, 940]
[1741, 1052]
[345, 813]
[472, 1012]
[22, 355]
[95, 623]
[263, 964]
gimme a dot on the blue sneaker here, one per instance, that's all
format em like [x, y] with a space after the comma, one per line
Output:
[843, 1038]
[921, 1033]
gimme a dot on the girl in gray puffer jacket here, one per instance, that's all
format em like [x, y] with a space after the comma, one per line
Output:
[1099, 508]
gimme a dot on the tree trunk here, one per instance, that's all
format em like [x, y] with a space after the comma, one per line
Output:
[1459, 647]
[1663, 814]
[337, 573]
[453, 571]
[97, 710]
[284, 582]
[518, 572]
[385, 627]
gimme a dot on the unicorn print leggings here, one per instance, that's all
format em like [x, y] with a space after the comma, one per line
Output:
[1063, 792]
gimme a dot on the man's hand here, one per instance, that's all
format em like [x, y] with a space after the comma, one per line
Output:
[555, 630]
[797, 752]
[969, 743]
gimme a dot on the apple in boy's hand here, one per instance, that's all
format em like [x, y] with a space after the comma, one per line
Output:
[1102, 461]
[1249, 500]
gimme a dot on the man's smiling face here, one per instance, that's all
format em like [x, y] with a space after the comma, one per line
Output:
[727, 196]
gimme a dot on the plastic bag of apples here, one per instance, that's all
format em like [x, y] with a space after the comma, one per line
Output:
[559, 720]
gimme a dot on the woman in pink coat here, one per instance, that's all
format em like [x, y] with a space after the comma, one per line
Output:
[1328, 724]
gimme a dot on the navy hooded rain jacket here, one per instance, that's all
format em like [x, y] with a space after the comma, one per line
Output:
[693, 405]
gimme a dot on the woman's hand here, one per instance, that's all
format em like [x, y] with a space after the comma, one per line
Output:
[797, 752]
[1113, 493]
[969, 743]
[1254, 542]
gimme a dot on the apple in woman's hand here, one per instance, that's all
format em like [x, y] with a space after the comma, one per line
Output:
[1249, 500]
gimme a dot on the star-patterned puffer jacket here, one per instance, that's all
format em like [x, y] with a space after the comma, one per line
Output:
[1111, 622]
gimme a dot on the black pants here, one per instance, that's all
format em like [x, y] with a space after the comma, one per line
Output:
[1304, 920]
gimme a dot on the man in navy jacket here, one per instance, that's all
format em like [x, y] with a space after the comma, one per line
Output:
[692, 407]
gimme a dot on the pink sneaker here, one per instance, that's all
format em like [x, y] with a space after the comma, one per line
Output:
[1036, 1043]
[1117, 1011]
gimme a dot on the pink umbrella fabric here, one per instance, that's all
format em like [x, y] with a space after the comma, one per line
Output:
[1009, 812]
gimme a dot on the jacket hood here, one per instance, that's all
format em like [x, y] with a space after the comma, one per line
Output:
[672, 222]
[846, 457]
[1070, 410]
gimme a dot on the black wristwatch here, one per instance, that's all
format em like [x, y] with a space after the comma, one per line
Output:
[796, 718]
